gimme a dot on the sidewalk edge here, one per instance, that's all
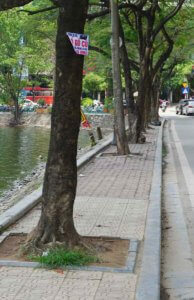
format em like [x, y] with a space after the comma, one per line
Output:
[148, 286]
[17, 211]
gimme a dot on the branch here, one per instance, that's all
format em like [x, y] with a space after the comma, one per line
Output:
[170, 69]
[31, 12]
[94, 48]
[8, 4]
[126, 16]
[134, 65]
[106, 11]
[95, 4]
[164, 56]
[141, 36]
[167, 18]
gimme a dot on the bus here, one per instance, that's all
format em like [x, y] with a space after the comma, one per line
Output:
[36, 92]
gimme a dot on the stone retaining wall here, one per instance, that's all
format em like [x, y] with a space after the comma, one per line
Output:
[101, 120]
[44, 120]
[5, 118]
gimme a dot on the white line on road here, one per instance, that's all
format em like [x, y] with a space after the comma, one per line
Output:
[188, 174]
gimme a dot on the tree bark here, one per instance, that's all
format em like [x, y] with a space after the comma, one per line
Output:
[59, 189]
[128, 86]
[142, 94]
[119, 122]
[155, 91]
[16, 112]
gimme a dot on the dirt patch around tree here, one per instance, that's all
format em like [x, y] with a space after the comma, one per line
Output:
[112, 252]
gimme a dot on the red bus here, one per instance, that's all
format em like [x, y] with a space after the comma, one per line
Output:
[35, 93]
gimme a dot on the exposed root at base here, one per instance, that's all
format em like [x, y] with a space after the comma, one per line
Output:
[86, 244]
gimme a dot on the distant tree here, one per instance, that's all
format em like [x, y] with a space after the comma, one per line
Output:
[20, 50]
[93, 83]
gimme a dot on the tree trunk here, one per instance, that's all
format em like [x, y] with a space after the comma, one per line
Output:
[16, 111]
[142, 94]
[119, 122]
[147, 117]
[155, 92]
[109, 79]
[59, 189]
[128, 86]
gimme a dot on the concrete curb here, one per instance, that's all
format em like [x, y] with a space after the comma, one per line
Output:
[128, 268]
[17, 211]
[148, 286]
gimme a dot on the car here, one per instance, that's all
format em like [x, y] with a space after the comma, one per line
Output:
[180, 105]
[30, 103]
[4, 108]
[188, 108]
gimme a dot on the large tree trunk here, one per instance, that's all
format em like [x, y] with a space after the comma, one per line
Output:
[148, 102]
[59, 189]
[142, 94]
[16, 119]
[141, 108]
[119, 121]
[128, 86]
[155, 92]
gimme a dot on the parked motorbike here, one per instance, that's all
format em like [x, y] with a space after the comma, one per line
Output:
[163, 108]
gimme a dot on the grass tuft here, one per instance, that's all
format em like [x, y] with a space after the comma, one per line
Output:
[59, 257]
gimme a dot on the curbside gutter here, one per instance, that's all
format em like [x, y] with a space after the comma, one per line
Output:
[17, 211]
[148, 286]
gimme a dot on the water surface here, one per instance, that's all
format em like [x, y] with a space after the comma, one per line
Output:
[20, 149]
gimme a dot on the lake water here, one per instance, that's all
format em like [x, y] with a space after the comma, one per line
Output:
[20, 149]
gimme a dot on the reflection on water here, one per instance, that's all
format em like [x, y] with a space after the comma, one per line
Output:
[20, 149]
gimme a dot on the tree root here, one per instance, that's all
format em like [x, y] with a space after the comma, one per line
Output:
[90, 245]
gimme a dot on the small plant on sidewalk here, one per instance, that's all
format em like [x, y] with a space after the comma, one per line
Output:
[59, 257]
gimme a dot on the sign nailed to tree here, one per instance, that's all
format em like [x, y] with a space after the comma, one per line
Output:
[79, 42]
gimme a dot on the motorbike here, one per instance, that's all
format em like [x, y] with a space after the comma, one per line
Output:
[163, 108]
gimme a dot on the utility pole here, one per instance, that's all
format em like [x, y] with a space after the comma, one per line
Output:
[119, 121]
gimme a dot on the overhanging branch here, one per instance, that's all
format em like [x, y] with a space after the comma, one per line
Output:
[164, 56]
[33, 12]
[167, 18]
[106, 11]
[8, 4]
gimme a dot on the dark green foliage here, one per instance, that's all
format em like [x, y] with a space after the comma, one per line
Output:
[41, 102]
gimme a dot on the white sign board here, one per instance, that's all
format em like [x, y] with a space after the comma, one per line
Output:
[80, 42]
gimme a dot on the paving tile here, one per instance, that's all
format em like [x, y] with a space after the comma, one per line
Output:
[9, 293]
[78, 288]
[117, 283]
[15, 272]
[47, 274]
[84, 275]
[11, 282]
[115, 296]
[112, 200]
[26, 294]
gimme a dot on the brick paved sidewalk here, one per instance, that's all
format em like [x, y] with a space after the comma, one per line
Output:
[112, 200]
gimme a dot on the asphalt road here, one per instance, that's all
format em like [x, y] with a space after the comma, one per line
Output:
[184, 126]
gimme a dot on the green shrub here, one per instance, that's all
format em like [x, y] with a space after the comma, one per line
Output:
[86, 102]
[41, 102]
